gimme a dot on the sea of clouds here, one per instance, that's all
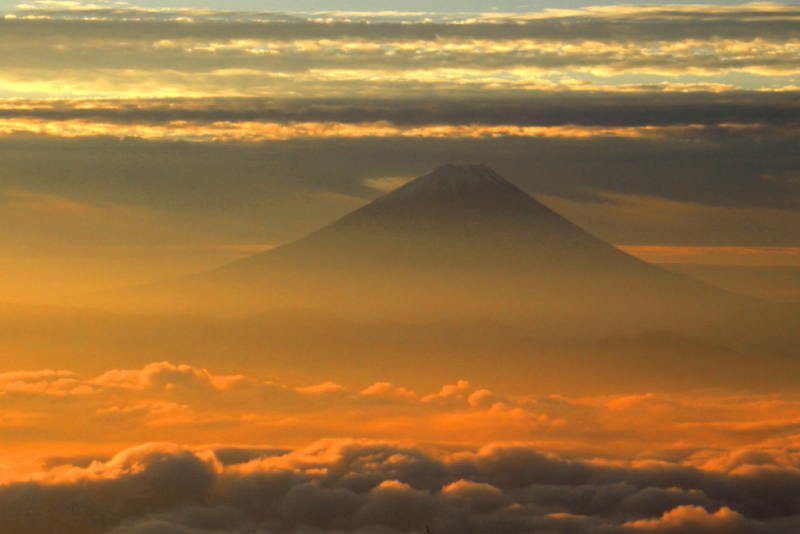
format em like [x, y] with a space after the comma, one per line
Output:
[86, 455]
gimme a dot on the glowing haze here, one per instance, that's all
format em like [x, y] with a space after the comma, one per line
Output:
[368, 266]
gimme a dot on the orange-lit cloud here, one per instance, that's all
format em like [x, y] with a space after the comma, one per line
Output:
[689, 518]
[265, 131]
[190, 405]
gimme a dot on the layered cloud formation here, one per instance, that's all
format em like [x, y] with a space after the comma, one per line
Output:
[90, 50]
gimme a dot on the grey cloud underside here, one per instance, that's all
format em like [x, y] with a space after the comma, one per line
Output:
[249, 180]
[504, 489]
[44, 63]
[778, 112]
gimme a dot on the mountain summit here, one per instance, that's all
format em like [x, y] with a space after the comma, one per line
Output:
[460, 241]
[452, 183]
[466, 199]
[460, 217]
[450, 178]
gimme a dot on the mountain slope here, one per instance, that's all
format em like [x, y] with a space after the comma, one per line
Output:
[460, 241]
[457, 215]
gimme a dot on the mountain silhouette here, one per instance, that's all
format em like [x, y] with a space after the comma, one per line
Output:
[458, 242]
[462, 218]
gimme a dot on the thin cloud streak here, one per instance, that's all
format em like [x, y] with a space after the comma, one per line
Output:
[590, 108]
[256, 132]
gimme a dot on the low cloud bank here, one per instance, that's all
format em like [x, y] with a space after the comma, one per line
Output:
[370, 486]
[63, 411]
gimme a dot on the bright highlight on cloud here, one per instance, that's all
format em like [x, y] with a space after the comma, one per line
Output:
[255, 132]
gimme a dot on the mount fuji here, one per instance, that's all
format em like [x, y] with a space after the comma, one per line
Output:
[459, 242]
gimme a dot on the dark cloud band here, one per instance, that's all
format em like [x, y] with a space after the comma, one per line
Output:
[538, 109]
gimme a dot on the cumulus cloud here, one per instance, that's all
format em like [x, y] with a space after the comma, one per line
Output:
[165, 376]
[372, 486]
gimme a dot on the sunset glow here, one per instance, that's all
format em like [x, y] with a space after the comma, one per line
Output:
[372, 267]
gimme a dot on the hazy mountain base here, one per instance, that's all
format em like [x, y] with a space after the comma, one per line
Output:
[307, 347]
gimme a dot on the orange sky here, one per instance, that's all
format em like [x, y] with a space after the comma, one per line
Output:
[144, 142]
